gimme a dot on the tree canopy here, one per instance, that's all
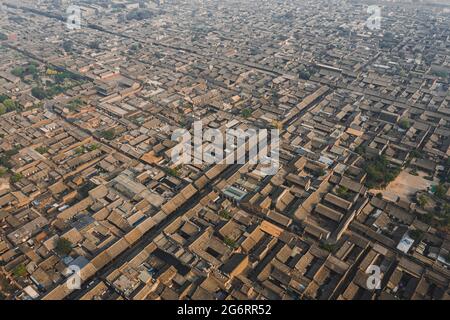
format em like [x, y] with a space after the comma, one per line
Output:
[63, 247]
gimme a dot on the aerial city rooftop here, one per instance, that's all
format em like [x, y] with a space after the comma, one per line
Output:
[91, 93]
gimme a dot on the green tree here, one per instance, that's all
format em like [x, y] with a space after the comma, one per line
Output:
[80, 150]
[42, 149]
[32, 69]
[416, 154]
[328, 247]
[404, 123]
[416, 234]
[92, 147]
[246, 112]
[54, 90]
[135, 46]
[72, 105]
[305, 74]
[5, 158]
[342, 192]
[63, 247]
[423, 200]
[225, 214]
[441, 73]
[230, 242]
[16, 177]
[20, 271]
[3, 109]
[5, 161]
[18, 71]
[39, 93]
[109, 134]
[3, 171]
[175, 172]
[440, 191]
[10, 105]
[67, 46]
[380, 172]
[360, 150]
